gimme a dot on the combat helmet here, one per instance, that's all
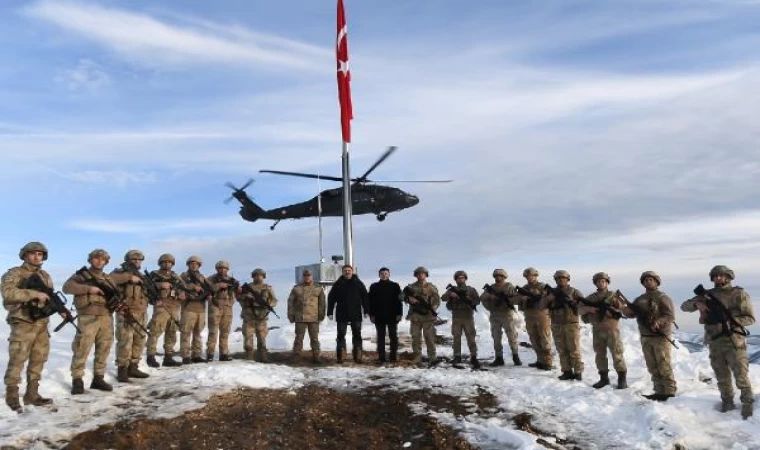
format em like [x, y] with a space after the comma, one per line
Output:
[222, 264]
[562, 274]
[33, 247]
[99, 252]
[600, 276]
[167, 257]
[134, 254]
[421, 269]
[530, 271]
[460, 273]
[194, 258]
[258, 271]
[497, 272]
[650, 274]
[721, 270]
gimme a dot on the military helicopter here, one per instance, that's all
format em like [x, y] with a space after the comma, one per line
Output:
[366, 198]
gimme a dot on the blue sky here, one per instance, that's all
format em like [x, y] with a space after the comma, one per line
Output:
[617, 136]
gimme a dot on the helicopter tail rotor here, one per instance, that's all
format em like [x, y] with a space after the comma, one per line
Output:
[238, 192]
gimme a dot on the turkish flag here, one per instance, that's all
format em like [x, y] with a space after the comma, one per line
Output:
[344, 76]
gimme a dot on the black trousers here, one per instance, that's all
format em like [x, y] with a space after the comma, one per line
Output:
[356, 334]
[392, 328]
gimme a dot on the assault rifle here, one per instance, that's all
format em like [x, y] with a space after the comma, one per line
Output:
[200, 296]
[533, 299]
[501, 295]
[461, 293]
[421, 302]
[56, 303]
[718, 313]
[258, 299]
[114, 299]
[150, 284]
[561, 299]
[604, 308]
[645, 317]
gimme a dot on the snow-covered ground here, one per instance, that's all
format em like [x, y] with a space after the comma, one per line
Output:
[605, 418]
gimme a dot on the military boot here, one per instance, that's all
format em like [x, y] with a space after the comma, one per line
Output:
[134, 372]
[186, 361]
[622, 383]
[197, 359]
[516, 359]
[356, 352]
[249, 355]
[11, 398]
[474, 363]
[567, 375]
[457, 360]
[726, 405]
[170, 362]
[264, 355]
[498, 361]
[77, 386]
[746, 410]
[315, 358]
[99, 383]
[122, 374]
[32, 395]
[604, 380]
[209, 357]
[542, 366]
[578, 376]
[152, 361]
[225, 358]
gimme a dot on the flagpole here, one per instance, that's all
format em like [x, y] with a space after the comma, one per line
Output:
[319, 208]
[348, 248]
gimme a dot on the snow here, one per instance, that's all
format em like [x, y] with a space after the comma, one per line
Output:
[595, 419]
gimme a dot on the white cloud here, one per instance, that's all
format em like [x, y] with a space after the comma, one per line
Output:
[86, 76]
[158, 226]
[117, 178]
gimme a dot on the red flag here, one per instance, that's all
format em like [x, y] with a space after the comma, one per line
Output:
[344, 76]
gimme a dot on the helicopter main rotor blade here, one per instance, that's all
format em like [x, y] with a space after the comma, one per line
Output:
[303, 175]
[380, 160]
[411, 181]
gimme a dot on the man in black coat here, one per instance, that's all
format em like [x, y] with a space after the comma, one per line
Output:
[385, 311]
[348, 298]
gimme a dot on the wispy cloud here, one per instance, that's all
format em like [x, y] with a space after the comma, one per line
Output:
[152, 42]
[86, 76]
[156, 227]
[117, 178]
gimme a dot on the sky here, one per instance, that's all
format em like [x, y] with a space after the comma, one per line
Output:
[581, 135]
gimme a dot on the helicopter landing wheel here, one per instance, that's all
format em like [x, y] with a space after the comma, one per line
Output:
[275, 224]
[381, 217]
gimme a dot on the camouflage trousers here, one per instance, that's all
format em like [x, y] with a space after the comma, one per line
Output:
[96, 330]
[219, 325]
[313, 328]
[458, 325]
[604, 339]
[28, 343]
[567, 339]
[417, 330]
[540, 333]
[130, 340]
[192, 325]
[657, 357]
[505, 323]
[258, 328]
[729, 355]
[161, 323]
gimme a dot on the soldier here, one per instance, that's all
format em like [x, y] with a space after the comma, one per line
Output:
[424, 302]
[306, 308]
[166, 311]
[462, 300]
[385, 311]
[224, 290]
[29, 341]
[350, 296]
[193, 312]
[497, 298]
[602, 311]
[563, 307]
[130, 340]
[254, 300]
[654, 313]
[537, 320]
[95, 321]
[725, 311]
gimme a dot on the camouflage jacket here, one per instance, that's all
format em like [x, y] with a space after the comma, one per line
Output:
[223, 297]
[192, 303]
[15, 296]
[563, 314]
[424, 291]
[659, 310]
[599, 320]
[135, 294]
[531, 307]
[85, 302]
[496, 304]
[459, 307]
[306, 303]
[252, 310]
[736, 300]
[171, 296]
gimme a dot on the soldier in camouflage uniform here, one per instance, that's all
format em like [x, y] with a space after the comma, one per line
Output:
[224, 289]
[95, 321]
[255, 315]
[306, 308]
[130, 340]
[29, 341]
[166, 311]
[565, 326]
[461, 301]
[193, 312]
[537, 320]
[422, 319]
[725, 335]
[655, 326]
[602, 311]
[498, 300]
